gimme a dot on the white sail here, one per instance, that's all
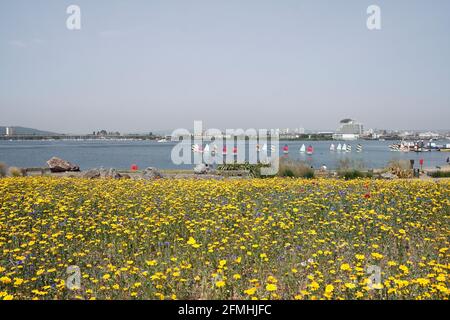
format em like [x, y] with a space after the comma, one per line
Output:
[206, 150]
[339, 147]
[264, 148]
[358, 148]
[302, 149]
[332, 147]
[344, 147]
[272, 148]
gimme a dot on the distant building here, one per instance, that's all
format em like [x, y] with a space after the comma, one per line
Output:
[349, 129]
[429, 135]
[9, 131]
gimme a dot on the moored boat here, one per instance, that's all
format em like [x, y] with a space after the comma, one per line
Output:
[303, 148]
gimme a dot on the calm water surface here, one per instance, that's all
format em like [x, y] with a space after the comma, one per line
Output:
[121, 154]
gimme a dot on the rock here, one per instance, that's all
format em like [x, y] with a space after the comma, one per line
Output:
[92, 174]
[151, 173]
[388, 176]
[59, 165]
[125, 176]
[103, 173]
[200, 168]
[113, 174]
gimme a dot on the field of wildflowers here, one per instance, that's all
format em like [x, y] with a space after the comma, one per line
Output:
[233, 239]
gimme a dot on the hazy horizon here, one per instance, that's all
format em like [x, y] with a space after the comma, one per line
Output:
[140, 66]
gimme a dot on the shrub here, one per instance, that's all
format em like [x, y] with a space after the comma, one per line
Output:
[297, 169]
[2, 169]
[401, 168]
[350, 169]
[439, 174]
[16, 172]
[352, 174]
[254, 169]
[350, 164]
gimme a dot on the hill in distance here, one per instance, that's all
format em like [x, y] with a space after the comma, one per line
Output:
[26, 131]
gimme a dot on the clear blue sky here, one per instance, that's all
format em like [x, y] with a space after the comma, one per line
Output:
[146, 65]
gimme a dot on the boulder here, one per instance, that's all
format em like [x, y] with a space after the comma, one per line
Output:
[59, 165]
[92, 174]
[113, 174]
[103, 173]
[200, 168]
[151, 173]
[388, 176]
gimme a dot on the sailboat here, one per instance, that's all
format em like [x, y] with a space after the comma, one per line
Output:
[264, 148]
[195, 148]
[207, 148]
[285, 149]
[339, 147]
[359, 148]
[224, 151]
[344, 147]
[310, 150]
[349, 148]
[302, 149]
[332, 147]
[272, 149]
[235, 151]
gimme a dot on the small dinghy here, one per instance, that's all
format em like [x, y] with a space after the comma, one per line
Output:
[195, 148]
[332, 147]
[302, 149]
[349, 148]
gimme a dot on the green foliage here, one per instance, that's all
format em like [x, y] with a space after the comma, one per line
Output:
[439, 174]
[295, 169]
[351, 174]
[254, 169]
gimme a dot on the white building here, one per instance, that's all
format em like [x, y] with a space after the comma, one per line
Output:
[9, 131]
[429, 135]
[349, 129]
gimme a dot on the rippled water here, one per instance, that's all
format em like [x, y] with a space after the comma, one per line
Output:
[121, 154]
